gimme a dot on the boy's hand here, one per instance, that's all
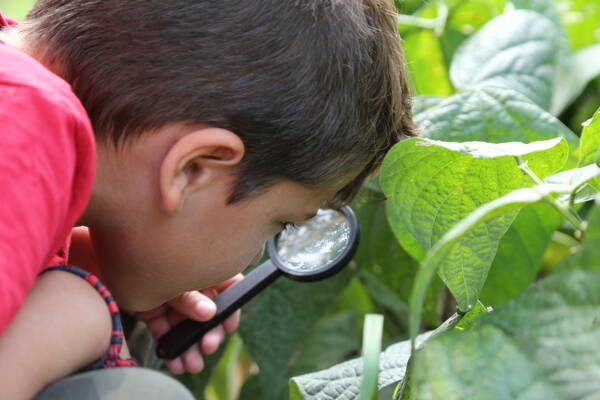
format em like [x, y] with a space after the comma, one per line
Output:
[197, 305]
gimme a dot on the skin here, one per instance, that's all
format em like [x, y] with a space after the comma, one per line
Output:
[161, 226]
[162, 237]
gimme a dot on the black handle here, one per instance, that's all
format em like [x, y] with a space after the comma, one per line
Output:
[188, 332]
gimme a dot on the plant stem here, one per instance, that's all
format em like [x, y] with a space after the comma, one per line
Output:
[437, 24]
[567, 212]
[419, 22]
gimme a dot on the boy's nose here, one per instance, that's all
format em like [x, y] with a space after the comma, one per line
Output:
[258, 255]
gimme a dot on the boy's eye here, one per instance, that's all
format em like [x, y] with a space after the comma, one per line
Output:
[289, 226]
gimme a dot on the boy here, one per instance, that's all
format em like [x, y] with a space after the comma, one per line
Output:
[216, 123]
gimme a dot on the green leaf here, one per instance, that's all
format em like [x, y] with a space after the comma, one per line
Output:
[343, 381]
[518, 50]
[424, 103]
[277, 325]
[478, 364]
[332, 340]
[580, 18]
[491, 114]
[588, 256]
[590, 144]
[222, 381]
[380, 255]
[370, 355]
[520, 253]
[432, 185]
[542, 345]
[590, 141]
[545, 7]
[427, 64]
[565, 182]
[295, 393]
[470, 318]
[574, 74]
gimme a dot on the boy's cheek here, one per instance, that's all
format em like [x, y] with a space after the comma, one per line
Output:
[259, 255]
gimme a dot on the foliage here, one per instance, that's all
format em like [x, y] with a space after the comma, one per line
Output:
[472, 219]
[477, 201]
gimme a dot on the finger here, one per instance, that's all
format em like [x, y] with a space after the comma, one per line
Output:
[212, 340]
[193, 360]
[151, 314]
[175, 317]
[175, 366]
[219, 287]
[194, 305]
[158, 327]
[232, 322]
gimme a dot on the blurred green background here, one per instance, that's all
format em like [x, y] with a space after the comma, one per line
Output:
[15, 8]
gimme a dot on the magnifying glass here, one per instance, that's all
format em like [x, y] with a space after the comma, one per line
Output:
[317, 249]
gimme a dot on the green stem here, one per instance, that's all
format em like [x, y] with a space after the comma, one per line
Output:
[419, 22]
[567, 212]
[437, 24]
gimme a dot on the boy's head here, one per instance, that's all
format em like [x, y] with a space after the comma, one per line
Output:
[212, 116]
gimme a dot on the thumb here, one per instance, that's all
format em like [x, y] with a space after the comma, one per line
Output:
[194, 305]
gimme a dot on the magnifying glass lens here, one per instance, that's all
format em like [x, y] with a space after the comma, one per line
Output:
[315, 243]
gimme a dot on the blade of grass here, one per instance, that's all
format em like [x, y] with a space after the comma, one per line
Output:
[372, 332]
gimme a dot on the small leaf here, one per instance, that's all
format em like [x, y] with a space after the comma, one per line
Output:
[590, 141]
[518, 50]
[470, 318]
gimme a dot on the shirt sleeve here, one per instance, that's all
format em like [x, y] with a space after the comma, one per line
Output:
[42, 161]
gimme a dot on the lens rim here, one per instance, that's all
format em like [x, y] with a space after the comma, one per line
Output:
[331, 268]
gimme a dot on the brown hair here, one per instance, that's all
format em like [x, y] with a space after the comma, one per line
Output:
[316, 89]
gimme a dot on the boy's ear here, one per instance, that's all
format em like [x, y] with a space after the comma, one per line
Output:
[193, 162]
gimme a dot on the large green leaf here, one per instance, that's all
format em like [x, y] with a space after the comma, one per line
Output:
[276, 327]
[542, 345]
[491, 114]
[520, 253]
[563, 183]
[432, 185]
[342, 381]
[518, 50]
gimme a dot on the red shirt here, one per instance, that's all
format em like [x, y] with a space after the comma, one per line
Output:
[47, 168]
